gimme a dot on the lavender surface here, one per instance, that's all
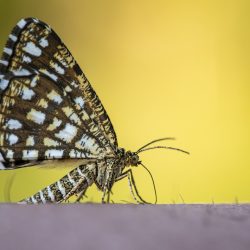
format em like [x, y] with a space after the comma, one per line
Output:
[92, 226]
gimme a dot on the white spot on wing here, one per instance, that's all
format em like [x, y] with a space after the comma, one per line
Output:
[50, 75]
[57, 67]
[56, 123]
[4, 62]
[72, 115]
[68, 89]
[32, 49]
[68, 111]
[89, 143]
[12, 139]
[75, 118]
[79, 100]
[27, 93]
[13, 38]
[13, 124]
[50, 142]
[21, 23]
[68, 133]
[54, 96]
[35, 20]
[34, 81]
[30, 141]
[73, 83]
[9, 154]
[54, 153]
[43, 42]
[22, 72]
[4, 84]
[36, 116]
[26, 59]
[8, 51]
[43, 103]
[30, 154]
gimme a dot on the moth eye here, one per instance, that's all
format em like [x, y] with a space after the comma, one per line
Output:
[135, 158]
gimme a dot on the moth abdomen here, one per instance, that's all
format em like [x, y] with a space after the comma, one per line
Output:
[76, 181]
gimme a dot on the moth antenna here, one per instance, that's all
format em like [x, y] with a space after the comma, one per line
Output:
[152, 182]
[178, 149]
[154, 141]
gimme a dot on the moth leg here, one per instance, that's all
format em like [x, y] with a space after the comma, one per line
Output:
[108, 197]
[73, 190]
[107, 185]
[127, 175]
[80, 195]
[105, 192]
[131, 182]
[103, 195]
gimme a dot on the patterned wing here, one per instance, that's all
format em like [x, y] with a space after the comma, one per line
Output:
[48, 108]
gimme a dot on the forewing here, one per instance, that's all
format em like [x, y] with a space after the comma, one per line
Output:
[48, 108]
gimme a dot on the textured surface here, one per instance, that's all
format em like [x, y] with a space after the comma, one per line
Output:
[90, 226]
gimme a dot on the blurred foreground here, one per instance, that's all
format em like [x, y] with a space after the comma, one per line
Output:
[94, 226]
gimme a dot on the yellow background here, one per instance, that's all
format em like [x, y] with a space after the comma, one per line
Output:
[161, 68]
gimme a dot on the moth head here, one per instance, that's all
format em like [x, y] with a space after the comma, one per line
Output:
[135, 160]
[132, 159]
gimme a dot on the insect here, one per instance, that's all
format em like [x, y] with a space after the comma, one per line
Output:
[50, 112]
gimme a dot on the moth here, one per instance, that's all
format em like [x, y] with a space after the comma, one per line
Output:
[50, 112]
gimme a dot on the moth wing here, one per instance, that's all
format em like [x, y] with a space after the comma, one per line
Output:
[48, 109]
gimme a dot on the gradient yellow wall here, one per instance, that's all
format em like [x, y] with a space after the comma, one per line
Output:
[161, 68]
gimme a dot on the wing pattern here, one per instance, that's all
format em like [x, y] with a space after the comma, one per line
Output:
[48, 109]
